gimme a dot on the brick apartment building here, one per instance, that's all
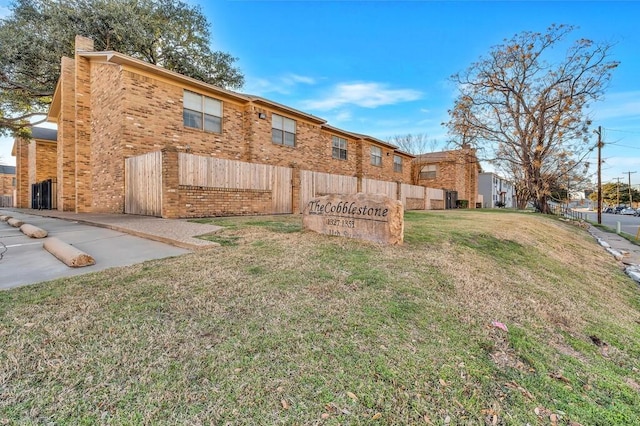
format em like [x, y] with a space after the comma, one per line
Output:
[454, 171]
[7, 185]
[36, 159]
[111, 109]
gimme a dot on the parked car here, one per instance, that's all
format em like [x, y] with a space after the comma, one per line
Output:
[608, 210]
[628, 211]
[618, 209]
[637, 212]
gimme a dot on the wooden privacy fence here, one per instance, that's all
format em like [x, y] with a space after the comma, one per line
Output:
[372, 186]
[435, 199]
[221, 186]
[210, 172]
[6, 201]
[413, 197]
[143, 184]
[315, 184]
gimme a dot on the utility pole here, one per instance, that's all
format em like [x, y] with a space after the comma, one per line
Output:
[630, 198]
[599, 132]
[617, 191]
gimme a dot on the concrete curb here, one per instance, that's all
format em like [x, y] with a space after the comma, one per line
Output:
[632, 270]
[16, 223]
[68, 254]
[33, 231]
[616, 254]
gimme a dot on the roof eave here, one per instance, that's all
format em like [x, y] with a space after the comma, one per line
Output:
[56, 102]
[120, 59]
[275, 105]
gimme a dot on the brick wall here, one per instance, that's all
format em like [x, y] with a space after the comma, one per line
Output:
[46, 155]
[22, 174]
[202, 202]
[385, 171]
[107, 140]
[66, 150]
[153, 120]
[83, 135]
[6, 184]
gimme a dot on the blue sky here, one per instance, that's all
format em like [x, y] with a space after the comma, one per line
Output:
[382, 68]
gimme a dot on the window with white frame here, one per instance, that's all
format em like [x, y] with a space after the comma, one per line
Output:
[283, 130]
[429, 171]
[397, 163]
[376, 156]
[202, 112]
[339, 148]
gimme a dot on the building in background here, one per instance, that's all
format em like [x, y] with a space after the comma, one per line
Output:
[455, 172]
[496, 191]
[7, 185]
[36, 163]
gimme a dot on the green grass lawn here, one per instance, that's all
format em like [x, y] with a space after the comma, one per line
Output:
[281, 326]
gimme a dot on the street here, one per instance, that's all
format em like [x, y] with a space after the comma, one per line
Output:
[628, 224]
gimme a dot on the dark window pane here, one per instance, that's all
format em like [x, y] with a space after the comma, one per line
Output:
[276, 136]
[192, 119]
[340, 154]
[212, 123]
[289, 139]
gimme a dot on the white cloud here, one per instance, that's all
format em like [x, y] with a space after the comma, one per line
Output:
[4, 12]
[293, 79]
[284, 85]
[618, 105]
[343, 116]
[630, 163]
[367, 95]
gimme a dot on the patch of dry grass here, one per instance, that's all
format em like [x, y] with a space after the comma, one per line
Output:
[286, 327]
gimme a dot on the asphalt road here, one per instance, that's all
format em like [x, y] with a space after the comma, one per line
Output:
[25, 261]
[628, 224]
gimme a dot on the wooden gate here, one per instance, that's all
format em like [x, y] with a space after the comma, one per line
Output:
[143, 184]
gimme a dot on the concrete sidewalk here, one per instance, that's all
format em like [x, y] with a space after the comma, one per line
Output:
[622, 249]
[176, 232]
[24, 260]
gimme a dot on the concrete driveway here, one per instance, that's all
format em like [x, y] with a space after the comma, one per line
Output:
[25, 261]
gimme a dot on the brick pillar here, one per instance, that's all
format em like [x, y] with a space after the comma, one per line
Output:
[83, 184]
[23, 189]
[170, 180]
[66, 146]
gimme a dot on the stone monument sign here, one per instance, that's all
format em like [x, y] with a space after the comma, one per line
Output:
[373, 217]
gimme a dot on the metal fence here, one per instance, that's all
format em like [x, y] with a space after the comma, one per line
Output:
[563, 211]
[43, 195]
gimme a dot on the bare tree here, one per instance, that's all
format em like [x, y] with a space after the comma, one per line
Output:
[414, 143]
[529, 114]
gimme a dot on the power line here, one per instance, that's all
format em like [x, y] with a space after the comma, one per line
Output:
[623, 146]
[631, 132]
